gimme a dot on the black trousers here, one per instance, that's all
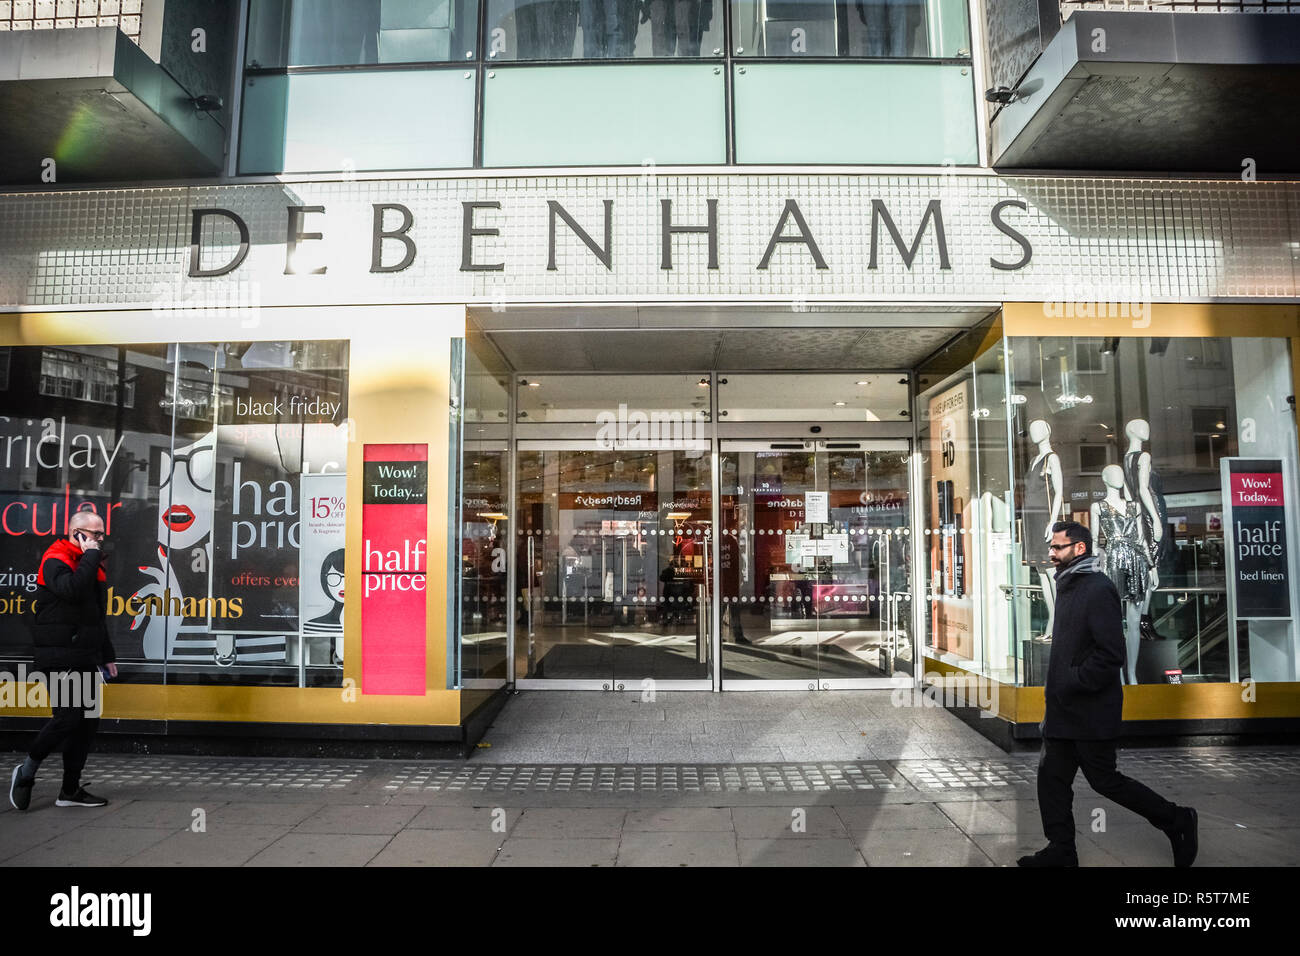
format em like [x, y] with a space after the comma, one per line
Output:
[71, 728]
[1058, 763]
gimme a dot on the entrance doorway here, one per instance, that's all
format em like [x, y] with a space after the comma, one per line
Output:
[615, 567]
[815, 564]
[620, 580]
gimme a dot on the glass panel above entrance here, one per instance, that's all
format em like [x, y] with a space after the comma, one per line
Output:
[841, 397]
[624, 400]
[815, 560]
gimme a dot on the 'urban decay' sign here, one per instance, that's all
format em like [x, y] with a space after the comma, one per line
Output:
[1259, 565]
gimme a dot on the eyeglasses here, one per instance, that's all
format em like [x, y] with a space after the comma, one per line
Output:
[334, 578]
[1062, 547]
[97, 535]
[198, 467]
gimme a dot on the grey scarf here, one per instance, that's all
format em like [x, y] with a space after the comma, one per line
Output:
[1083, 565]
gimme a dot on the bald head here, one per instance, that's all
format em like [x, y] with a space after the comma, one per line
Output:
[86, 521]
[86, 529]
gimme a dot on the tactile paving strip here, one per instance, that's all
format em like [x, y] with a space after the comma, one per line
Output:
[227, 774]
[819, 777]
[1258, 765]
[953, 774]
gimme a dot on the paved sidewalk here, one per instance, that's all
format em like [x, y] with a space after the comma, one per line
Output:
[695, 727]
[924, 812]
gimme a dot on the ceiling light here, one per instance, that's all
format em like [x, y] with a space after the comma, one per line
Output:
[840, 404]
[862, 382]
[703, 383]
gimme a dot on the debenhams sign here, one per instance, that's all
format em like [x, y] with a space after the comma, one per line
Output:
[395, 235]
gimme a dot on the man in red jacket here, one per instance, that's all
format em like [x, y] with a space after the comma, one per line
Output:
[72, 644]
[1084, 708]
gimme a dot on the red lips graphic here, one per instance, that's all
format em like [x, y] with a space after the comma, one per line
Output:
[178, 517]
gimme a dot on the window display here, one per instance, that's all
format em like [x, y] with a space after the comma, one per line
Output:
[202, 459]
[1161, 418]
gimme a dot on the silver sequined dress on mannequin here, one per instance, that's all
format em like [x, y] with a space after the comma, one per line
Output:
[1127, 562]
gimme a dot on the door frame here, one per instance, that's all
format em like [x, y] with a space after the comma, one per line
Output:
[778, 439]
[613, 682]
[575, 436]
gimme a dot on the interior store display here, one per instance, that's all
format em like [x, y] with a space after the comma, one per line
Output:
[1142, 485]
[1044, 497]
[1125, 558]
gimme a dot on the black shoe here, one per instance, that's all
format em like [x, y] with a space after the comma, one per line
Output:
[82, 798]
[1183, 836]
[20, 789]
[1054, 854]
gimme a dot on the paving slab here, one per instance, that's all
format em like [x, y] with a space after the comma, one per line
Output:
[322, 849]
[921, 848]
[779, 823]
[809, 851]
[232, 845]
[573, 823]
[91, 846]
[440, 848]
[670, 819]
[387, 818]
[549, 852]
[678, 849]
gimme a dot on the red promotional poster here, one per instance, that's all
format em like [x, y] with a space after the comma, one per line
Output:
[393, 521]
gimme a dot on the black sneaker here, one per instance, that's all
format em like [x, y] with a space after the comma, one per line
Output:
[1183, 836]
[1054, 854]
[20, 789]
[82, 798]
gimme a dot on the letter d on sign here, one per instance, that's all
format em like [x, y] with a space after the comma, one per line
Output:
[196, 235]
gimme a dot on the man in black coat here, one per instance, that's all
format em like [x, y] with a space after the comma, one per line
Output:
[1085, 700]
[72, 644]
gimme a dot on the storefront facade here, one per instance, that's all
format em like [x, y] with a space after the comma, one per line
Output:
[449, 435]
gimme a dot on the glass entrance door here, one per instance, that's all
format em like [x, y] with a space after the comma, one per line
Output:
[614, 565]
[815, 562]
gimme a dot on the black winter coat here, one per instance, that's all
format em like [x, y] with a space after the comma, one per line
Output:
[1085, 691]
[69, 627]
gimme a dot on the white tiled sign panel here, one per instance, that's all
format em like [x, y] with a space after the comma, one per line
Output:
[1093, 240]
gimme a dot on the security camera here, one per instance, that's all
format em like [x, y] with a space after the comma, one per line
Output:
[1001, 94]
[208, 103]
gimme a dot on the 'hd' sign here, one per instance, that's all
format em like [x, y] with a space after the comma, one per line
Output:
[394, 515]
[1259, 565]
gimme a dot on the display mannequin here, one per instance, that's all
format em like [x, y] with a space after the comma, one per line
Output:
[1117, 528]
[1042, 509]
[1142, 485]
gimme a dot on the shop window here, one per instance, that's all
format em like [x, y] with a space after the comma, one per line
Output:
[1117, 434]
[220, 471]
[1211, 434]
[1090, 356]
[609, 29]
[289, 33]
[81, 376]
[892, 29]
[1093, 458]
[1204, 353]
